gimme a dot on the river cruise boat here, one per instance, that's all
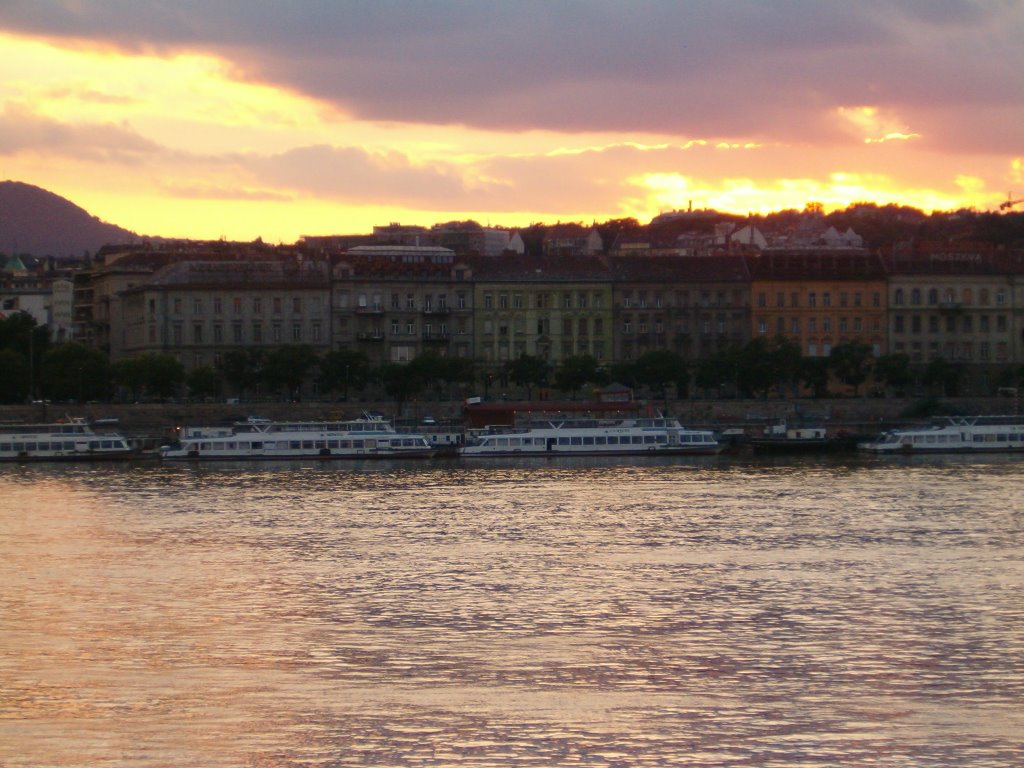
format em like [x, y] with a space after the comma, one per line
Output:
[71, 440]
[592, 437]
[954, 434]
[788, 438]
[369, 437]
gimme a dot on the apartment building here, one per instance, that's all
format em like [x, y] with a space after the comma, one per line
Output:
[553, 308]
[198, 309]
[396, 302]
[819, 298]
[694, 306]
[954, 304]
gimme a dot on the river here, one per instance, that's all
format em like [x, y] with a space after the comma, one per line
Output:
[601, 612]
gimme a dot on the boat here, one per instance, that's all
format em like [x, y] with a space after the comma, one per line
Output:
[785, 438]
[953, 434]
[592, 437]
[369, 437]
[70, 440]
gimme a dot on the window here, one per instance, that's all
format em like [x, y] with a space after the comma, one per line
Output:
[897, 297]
[197, 333]
[826, 299]
[257, 306]
[915, 296]
[217, 306]
[236, 333]
[762, 327]
[297, 332]
[276, 305]
[257, 333]
[812, 299]
[762, 300]
[177, 306]
[275, 333]
[488, 301]
[218, 334]
[897, 323]
[503, 301]
[197, 306]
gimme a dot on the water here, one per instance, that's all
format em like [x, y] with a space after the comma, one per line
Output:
[605, 612]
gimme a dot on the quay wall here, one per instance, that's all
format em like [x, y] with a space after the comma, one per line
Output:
[156, 420]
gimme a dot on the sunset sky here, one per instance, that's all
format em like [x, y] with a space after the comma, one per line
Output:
[243, 119]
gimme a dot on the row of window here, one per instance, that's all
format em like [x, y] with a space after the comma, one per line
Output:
[949, 296]
[844, 297]
[237, 305]
[63, 446]
[935, 324]
[408, 301]
[307, 445]
[845, 325]
[582, 326]
[953, 351]
[569, 300]
[276, 335]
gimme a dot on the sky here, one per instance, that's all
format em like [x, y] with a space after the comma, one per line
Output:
[237, 119]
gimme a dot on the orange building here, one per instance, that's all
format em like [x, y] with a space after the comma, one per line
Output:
[819, 298]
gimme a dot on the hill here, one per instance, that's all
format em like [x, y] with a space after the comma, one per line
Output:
[37, 222]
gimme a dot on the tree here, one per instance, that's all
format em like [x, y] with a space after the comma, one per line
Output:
[814, 375]
[528, 371]
[74, 371]
[20, 333]
[399, 382]
[341, 369]
[575, 372]
[720, 370]
[155, 375]
[893, 372]
[285, 368]
[851, 362]
[242, 369]
[943, 376]
[659, 369]
[203, 382]
[756, 373]
[15, 379]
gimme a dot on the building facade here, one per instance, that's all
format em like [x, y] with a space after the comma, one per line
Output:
[819, 299]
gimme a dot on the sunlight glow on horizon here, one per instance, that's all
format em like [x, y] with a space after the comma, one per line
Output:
[181, 146]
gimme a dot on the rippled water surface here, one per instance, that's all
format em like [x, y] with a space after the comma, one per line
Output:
[695, 612]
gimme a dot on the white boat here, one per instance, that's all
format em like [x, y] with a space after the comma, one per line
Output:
[370, 437]
[71, 440]
[954, 434]
[592, 437]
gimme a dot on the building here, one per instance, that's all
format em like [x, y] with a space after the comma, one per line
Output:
[695, 306]
[819, 298]
[396, 302]
[548, 307]
[197, 310]
[571, 240]
[954, 302]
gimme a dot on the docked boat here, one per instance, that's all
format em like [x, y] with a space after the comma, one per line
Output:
[786, 438]
[71, 440]
[369, 437]
[592, 437]
[954, 434]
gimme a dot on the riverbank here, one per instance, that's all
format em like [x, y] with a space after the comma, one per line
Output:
[157, 420]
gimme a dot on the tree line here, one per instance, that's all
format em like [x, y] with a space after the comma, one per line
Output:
[34, 367]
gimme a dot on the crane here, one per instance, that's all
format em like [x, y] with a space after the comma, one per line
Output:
[1009, 202]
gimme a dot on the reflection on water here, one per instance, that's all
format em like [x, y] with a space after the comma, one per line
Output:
[596, 612]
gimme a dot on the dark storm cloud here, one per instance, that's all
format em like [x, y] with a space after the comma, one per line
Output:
[752, 70]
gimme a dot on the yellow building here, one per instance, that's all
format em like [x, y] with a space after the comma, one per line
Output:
[819, 298]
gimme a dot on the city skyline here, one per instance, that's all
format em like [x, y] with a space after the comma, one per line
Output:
[310, 119]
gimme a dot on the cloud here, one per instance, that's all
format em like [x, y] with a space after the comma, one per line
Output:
[705, 69]
[23, 131]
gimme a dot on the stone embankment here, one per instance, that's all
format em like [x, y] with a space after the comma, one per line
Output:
[157, 420]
